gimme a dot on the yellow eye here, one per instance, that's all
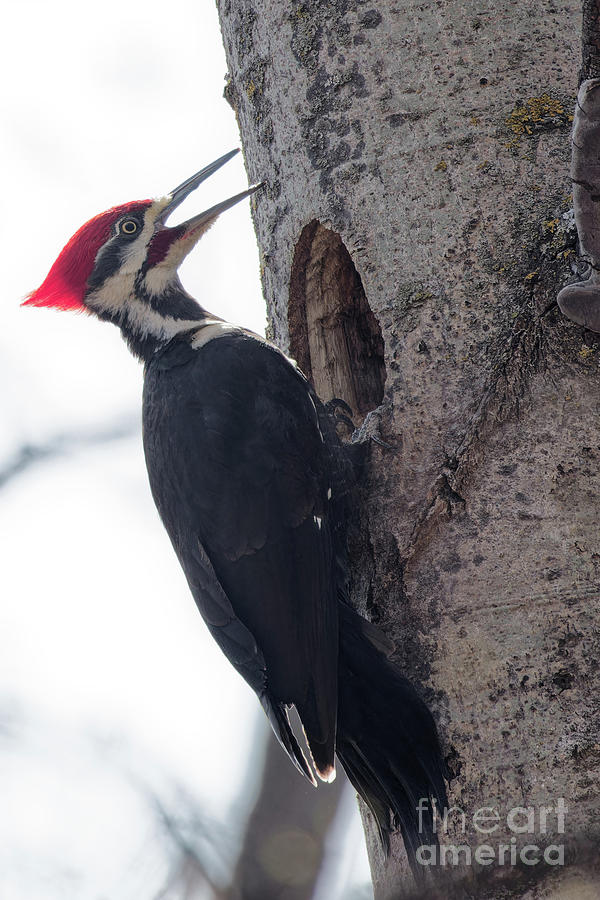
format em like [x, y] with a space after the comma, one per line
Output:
[129, 226]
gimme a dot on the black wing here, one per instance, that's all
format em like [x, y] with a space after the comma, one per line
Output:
[240, 475]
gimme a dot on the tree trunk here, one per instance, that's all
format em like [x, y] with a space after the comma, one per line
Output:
[414, 233]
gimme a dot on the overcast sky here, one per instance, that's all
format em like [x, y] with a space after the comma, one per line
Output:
[102, 652]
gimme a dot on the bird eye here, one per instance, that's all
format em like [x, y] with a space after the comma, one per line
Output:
[129, 226]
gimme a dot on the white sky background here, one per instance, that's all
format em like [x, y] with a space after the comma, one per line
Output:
[105, 666]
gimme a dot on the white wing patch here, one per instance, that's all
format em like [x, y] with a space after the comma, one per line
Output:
[213, 328]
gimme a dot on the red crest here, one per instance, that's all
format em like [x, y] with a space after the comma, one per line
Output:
[64, 286]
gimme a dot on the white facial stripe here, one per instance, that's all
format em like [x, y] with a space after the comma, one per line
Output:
[136, 252]
[112, 295]
[144, 320]
[158, 278]
[147, 321]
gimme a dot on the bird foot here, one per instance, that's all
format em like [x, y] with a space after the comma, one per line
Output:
[370, 430]
[341, 415]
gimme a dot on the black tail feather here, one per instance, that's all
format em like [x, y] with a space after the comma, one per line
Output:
[387, 740]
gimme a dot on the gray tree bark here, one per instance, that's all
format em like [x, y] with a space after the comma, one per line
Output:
[414, 233]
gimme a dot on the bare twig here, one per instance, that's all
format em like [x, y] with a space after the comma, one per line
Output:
[68, 442]
[190, 868]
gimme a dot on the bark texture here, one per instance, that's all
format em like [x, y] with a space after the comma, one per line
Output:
[432, 140]
[590, 43]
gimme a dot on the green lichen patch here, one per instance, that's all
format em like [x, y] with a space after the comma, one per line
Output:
[537, 114]
[406, 305]
[550, 226]
[536, 260]
[243, 33]
[253, 84]
[254, 79]
[586, 352]
[306, 35]
[559, 235]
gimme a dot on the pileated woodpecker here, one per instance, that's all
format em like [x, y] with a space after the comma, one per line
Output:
[243, 464]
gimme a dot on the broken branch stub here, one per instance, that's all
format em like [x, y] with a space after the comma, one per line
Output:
[581, 301]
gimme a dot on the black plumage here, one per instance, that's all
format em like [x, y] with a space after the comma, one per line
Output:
[249, 492]
[240, 475]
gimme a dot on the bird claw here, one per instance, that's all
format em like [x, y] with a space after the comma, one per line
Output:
[337, 403]
[345, 420]
[381, 443]
[341, 418]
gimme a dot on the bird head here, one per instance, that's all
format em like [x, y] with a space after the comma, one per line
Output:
[122, 262]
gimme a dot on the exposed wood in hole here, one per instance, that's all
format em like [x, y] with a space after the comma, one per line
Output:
[334, 335]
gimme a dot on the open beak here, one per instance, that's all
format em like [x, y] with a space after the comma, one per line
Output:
[200, 222]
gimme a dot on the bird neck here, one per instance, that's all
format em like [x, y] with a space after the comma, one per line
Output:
[149, 321]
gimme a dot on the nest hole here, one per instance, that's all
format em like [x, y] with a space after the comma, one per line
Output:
[334, 336]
